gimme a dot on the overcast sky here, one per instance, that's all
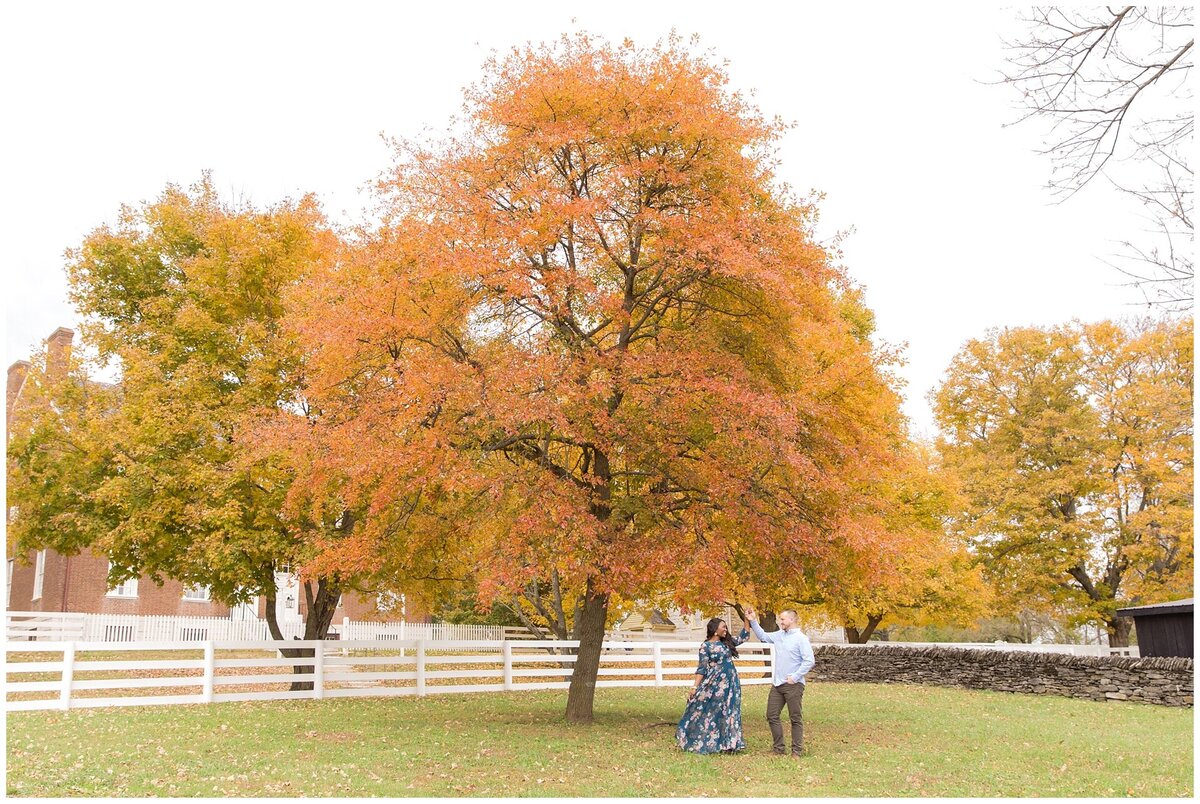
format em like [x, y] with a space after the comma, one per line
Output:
[105, 103]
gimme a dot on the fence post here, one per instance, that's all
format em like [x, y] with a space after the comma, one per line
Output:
[345, 635]
[420, 667]
[658, 679]
[507, 665]
[68, 675]
[210, 671]
[319, 670]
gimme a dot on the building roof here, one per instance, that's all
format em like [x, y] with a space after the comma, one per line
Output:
[1170, 607]
[641, 619]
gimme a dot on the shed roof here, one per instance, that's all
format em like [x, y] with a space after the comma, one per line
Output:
[1170, 607]
[658, 618]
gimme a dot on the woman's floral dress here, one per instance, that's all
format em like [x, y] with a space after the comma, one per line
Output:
[712, 721]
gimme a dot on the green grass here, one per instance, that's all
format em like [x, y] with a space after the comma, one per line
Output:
[863, 740]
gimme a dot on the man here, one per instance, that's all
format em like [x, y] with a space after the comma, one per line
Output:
[793, 659]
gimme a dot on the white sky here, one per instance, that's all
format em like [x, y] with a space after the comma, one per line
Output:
[105, 103]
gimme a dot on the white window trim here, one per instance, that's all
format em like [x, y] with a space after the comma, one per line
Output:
[11, 567]
[39, 575]
[126, 590]
[207, 594]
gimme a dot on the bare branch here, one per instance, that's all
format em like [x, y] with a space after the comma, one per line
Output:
[1111, 83]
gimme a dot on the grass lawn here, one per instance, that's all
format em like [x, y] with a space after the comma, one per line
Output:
[863, 740]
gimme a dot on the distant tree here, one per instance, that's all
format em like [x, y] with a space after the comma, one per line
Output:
[1074, 448]
[183, 298]
[916, 571]
[463, 606]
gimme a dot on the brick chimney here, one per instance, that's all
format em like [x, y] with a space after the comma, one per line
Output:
[58, 350]
[16, 379]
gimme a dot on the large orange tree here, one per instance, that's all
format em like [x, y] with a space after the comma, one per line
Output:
[594, 343]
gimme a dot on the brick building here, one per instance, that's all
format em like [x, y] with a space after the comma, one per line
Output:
[49, 581]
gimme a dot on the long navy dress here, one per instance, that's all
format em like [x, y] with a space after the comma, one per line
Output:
[712, 721]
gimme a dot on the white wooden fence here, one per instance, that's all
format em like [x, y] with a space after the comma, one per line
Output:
[365, 629]
[257, 671]
[43, 625]
[54, 626]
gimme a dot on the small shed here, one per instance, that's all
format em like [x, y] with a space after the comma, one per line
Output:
[1163, 629]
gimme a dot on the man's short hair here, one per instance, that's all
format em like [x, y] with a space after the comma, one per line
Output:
[792, 612]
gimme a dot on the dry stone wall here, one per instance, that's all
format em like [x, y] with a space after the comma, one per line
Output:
[1155, 680]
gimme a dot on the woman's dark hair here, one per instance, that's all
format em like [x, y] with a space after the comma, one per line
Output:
[727, 639]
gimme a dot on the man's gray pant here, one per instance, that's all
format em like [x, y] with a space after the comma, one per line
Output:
[792, 695]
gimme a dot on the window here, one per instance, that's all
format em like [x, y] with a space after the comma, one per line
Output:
[125, 588]
[197, 592]
[39, 574]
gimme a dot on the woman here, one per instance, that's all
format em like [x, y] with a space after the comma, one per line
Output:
[712, 720]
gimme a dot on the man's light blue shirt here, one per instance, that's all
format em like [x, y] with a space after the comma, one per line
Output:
[793, 654]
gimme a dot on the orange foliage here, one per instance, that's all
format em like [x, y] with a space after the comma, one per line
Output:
[593, 334]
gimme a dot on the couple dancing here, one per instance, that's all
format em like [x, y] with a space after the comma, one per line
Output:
[712, 721]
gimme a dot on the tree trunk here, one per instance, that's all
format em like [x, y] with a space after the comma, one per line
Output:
[768, 622]
[272, 618]
[1119, 630]
[589, 630]
[316, 625]
[321, 608]
[856, 637]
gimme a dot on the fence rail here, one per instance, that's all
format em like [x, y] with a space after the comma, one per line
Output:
[44, 625]
[76, 674]
[54, 626]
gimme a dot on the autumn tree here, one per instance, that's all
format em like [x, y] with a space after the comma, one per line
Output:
[55, 460]
[595, 340]
[182, 298]
[1111, 87]
[1074, 446]
[916, 571]
[920, 571]
[463, 606]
